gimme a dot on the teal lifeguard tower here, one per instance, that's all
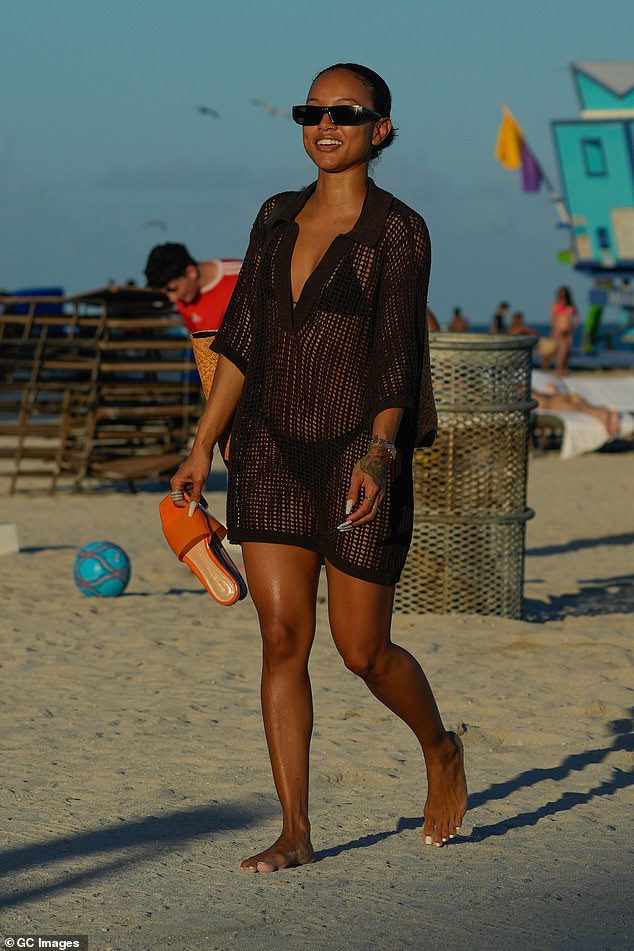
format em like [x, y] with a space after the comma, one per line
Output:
[596, 164]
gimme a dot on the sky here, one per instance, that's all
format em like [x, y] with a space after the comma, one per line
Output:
[103, 152]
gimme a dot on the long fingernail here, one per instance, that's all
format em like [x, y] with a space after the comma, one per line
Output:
[349, 506]
[429, 840]
[192, 508]
[344, 527]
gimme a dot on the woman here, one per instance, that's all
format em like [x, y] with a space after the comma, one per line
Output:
[323, 361]
[563, 323]
[551, 397]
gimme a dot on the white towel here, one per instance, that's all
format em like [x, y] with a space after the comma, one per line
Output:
[584, 433]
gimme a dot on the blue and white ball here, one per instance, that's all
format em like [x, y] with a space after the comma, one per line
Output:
[101, 569]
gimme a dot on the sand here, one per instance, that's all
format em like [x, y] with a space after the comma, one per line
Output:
[135, 774]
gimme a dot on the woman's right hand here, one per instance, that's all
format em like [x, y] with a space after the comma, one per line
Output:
[215, 420]
[192, 476]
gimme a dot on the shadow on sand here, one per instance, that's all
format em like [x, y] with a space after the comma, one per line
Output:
[622, 731]
[136, 841]
[579, 544]
[144, 839]
[596, 596]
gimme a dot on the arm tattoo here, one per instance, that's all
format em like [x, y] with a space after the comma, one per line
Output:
[375, 464]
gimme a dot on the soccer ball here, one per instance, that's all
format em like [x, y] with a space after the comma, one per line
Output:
[101, 569]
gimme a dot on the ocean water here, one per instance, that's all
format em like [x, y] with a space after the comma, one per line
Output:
[610, 338]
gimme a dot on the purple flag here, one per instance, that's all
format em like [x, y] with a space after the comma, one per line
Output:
[531, 171]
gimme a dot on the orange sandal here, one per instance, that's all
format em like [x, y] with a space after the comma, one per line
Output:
[197, 541]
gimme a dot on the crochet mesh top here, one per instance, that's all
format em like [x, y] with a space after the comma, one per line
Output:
[317, 374]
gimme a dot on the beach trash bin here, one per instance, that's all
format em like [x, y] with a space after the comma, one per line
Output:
[467, 551]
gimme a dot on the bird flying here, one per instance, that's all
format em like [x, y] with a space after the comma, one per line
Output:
[270, 109]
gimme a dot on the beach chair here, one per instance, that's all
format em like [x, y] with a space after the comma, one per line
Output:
[106, 389]
[148, 398]
[575, 433]
[48, 371]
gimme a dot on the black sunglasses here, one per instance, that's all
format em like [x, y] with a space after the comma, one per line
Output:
[339, 115]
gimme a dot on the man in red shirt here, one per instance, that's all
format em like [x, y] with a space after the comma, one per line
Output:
[200, 290]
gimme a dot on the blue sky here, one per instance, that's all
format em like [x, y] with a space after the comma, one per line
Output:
[100, 133]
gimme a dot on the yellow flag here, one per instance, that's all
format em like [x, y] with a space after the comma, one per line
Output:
[508, 149]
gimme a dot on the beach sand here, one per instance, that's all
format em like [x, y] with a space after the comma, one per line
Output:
[135, 774]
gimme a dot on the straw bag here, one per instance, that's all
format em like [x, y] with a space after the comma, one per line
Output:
[206, 359]
[546, 347]
[206, 363]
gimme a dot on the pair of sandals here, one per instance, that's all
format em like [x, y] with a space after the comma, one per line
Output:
[196, 540]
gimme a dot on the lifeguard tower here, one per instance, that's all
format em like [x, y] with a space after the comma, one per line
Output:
[596, 163]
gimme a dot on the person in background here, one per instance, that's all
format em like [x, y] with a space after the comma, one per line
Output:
[200, 290]
[563, 323]
[432, 321]
[551, 397]
[497, 321]
[518, 327]
[458, 323]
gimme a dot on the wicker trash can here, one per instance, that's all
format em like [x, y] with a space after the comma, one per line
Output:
[467, 552]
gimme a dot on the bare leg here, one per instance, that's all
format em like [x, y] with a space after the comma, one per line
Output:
[572, 402]
[283, 584]
[609, 417]
[360, 618]
[564, 346]
[613, 422]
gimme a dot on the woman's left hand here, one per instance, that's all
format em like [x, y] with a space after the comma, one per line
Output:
[367, 488]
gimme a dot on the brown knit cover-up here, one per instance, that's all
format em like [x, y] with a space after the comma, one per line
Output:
[317, 374]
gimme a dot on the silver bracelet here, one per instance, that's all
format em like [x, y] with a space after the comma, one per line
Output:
[391, 448]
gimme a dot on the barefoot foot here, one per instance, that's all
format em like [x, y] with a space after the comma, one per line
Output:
[446, 792]
[285, 853]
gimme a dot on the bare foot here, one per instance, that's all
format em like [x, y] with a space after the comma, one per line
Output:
[283, 854]
[614, 422]
[446, 792]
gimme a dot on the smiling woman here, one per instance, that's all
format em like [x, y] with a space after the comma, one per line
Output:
[355, 113]
[324, 370]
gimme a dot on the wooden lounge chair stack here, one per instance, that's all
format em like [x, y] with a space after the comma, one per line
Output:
[48, 372]
[106, 387]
